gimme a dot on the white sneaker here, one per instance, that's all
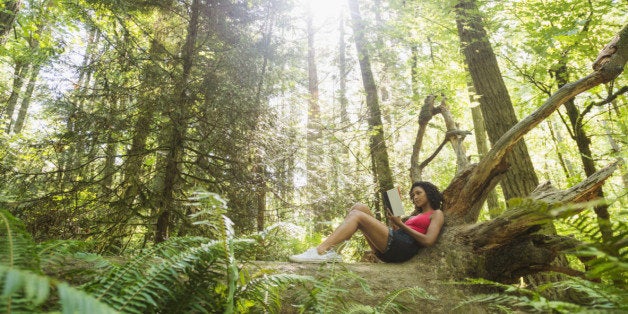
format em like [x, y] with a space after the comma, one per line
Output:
[312, 256]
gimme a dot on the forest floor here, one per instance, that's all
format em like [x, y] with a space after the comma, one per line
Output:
[429, 271]
[382, 280]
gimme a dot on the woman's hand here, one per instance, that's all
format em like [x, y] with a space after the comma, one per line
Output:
[396, 220]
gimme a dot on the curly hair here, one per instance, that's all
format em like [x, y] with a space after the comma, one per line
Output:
[434, 196]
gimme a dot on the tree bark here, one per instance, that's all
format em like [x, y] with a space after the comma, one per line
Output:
[377, 144]
[492, 202]
[497, 109]
[426, 114]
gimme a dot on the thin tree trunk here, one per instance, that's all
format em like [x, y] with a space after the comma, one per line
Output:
[583, 142]
[176, 131]
[342, 68]
[108, 171]
[259, 168]
[454, 136]
[558, 139]
[377, 143]
[26, 100]
[18, 81]
[313, 113]
[426, 114]
[492, 201]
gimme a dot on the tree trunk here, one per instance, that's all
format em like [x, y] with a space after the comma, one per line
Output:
[342, 69]
[492, 202]
[497, 109]
[26, 100]
[558, 140]
[176, 131]
[259, 169]
[377, 144]
[313, 112]
[7, 16]
[583, 142]
[18, 81]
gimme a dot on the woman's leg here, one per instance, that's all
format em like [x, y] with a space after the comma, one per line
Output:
[359, 218]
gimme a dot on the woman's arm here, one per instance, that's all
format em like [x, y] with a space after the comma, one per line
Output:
[430, 237]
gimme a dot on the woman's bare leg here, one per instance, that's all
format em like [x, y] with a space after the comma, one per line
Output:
[359, 218]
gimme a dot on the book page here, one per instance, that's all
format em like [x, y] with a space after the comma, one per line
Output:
[393, 197]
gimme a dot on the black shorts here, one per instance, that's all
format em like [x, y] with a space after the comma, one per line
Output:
[401, 247]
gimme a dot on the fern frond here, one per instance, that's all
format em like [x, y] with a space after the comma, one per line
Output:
[17, 248]
[24, 290]
[112, 283]
[356, 308]
[35, 288]
[76, 301]
[608, 259]
[599, 296]
[138, 290]
[389, 304]
[266, 290]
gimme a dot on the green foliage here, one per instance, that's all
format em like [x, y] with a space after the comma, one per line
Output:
[17, 248]
[180, 275]
[604, 260]
[23, 288]
[390, 305]
[276, 242]
[511, 299]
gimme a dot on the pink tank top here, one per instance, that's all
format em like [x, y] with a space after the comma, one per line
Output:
[420, 222]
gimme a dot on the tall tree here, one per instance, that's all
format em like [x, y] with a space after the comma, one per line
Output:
[314, 126]
[495, 101]
[377, 145]
[178, 113]
[342, 70]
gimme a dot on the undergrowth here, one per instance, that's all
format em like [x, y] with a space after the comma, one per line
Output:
[207, 274]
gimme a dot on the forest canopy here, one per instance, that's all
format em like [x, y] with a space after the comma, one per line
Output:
[246, 129]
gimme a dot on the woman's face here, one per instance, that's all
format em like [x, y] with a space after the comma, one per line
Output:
[419, 198]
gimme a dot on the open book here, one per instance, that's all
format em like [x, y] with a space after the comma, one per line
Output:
[392, 201]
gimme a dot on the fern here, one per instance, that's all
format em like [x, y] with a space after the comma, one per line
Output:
[136, 287]
[113, 282]
[607, 260]
[17, 247]
[599, 296]
[24, 289]
[390, 304]
[265, 291]
[516, 299]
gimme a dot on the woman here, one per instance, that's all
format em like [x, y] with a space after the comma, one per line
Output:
[393, 245]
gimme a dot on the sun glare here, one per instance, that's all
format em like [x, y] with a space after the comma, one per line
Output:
[325, 9]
